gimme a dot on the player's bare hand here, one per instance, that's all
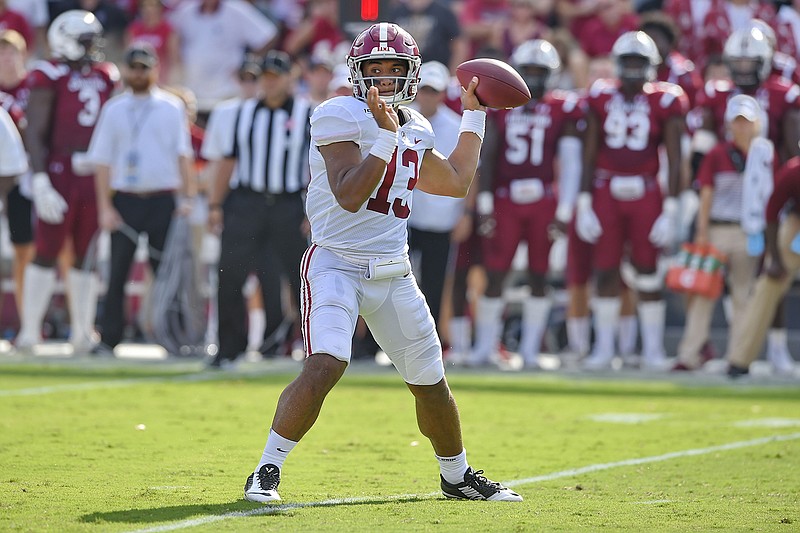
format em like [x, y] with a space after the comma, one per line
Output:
[109, 219]
[469, 101]
[556, 229]
[215, 221]
[384, 114]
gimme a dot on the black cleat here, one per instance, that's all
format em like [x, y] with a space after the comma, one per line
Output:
[262, 485]
[476, 487]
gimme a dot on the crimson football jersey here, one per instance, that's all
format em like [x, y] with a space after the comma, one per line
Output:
[79, 96]
[528, 136]
[776, 96]
[631, 131]
[681, 71]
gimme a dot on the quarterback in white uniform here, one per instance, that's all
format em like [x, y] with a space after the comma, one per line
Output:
[367, 155]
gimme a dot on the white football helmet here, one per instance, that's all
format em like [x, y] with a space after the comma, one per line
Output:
[748, 55]
[636, 44]
[536, 60]
[74, 35]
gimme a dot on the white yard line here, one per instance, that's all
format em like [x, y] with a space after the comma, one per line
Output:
[271, 509]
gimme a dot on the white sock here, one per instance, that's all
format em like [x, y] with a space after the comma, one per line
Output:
[606, 319]
[276, 450]
[256, 324]
[628, 328]
[453, 468]
[40, 282]
[777, 340]
[460, 334]
[578, 334]
[652, 316]
[82, 306]
[488, 328]
[535, 312]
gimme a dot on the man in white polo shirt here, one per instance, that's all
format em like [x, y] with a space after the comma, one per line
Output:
[143, 157]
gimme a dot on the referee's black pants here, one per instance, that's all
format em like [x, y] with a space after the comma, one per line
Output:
[261, 235]
[430, 252]
[150, 214]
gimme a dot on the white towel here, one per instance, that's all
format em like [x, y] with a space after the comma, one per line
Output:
[757, 185]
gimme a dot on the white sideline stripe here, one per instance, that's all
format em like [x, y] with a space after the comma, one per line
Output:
[548, 477]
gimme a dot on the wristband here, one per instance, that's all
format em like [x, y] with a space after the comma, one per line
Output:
[484, 203]
[384, 145]
[473, 121]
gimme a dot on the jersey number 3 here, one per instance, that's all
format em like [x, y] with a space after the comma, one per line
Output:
[380, 202]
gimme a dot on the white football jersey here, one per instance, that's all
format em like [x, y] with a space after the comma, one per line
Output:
[378, 228]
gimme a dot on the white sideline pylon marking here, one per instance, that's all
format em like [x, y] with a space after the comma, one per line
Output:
[271, 509]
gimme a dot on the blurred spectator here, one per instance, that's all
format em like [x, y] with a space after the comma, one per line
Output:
[689, 16]
[142, 154]
[480, 20]
[19, 207]
[612, 19]
[153, 28]
[782, 237]
[434, 217]
[434, 26]
[674, 67]
[574, 14]
[318, 77]
[574, 73]
[38, 17]
[319, 33]
[728, 16]
[340, 84]
[527, 21]
[12, 20]
[214, 35]
[789, 20]
[724, 203]
[66, 96]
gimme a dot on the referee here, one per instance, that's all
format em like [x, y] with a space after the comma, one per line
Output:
[256, 201]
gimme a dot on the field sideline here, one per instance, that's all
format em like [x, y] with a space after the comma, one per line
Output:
[163, 447]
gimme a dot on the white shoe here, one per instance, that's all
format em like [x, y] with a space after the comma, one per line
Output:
[26, 342]
[262, 485]
[598, 361]
[781, 361]
[654, 361]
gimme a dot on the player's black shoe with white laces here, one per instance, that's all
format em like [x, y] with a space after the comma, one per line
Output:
[262, 485]
[476, 487]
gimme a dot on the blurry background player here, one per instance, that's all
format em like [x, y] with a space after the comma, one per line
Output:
[621, 201]
[517, 192]
[66, 95]
[748, 55]
[434, 216]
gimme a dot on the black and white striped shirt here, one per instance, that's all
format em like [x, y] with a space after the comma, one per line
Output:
[271, 147]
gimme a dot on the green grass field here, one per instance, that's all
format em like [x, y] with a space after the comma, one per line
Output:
[614, 453]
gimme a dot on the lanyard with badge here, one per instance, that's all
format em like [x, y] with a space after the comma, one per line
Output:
[136, 121]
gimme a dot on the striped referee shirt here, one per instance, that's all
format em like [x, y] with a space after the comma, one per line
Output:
[271, 147]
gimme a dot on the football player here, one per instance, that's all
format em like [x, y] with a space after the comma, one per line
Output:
[66, 94]
[621, 201]
[518, 193]
[368, 153]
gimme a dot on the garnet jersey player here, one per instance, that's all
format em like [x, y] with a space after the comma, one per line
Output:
[66, 95]
[749, 55]
[518, 191]
[621, 201]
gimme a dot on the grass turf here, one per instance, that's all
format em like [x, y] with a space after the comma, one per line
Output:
[72, 458]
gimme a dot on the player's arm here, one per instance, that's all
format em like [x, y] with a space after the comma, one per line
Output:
[352, 178]
[791, 133]
[36, 134]
[453, 176]
[219, 190]
[673, 131]
[591, 140]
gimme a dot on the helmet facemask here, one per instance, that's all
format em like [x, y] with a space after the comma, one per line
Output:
[537, 78]
[405, 87]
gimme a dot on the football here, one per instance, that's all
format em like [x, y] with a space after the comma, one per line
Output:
[499, 85]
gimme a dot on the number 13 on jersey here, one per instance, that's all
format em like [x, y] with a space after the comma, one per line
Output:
[381, 203]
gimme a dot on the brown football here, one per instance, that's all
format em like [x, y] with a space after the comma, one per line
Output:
[499, 85]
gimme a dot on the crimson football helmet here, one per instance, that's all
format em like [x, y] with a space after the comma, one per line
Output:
[385, 41]
[636, 44]
[748, 55]
[536, 60]
[75, 35]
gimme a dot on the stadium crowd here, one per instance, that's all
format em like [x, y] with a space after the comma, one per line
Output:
[653, 124]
